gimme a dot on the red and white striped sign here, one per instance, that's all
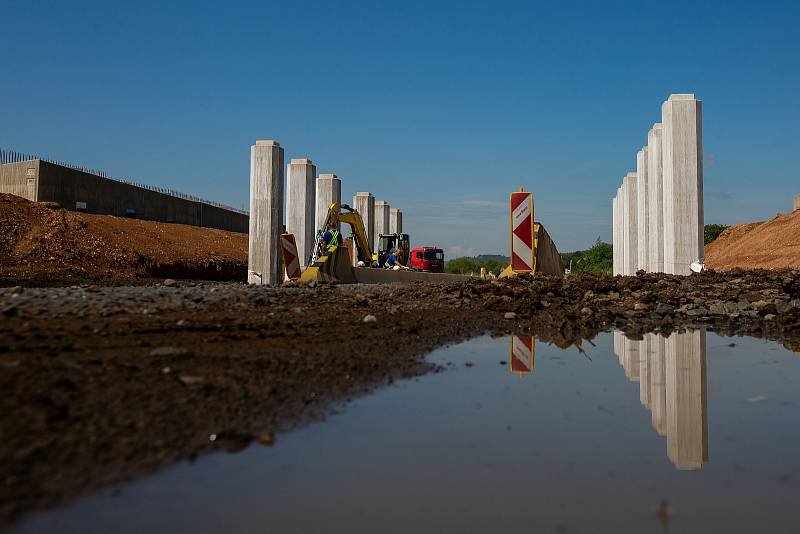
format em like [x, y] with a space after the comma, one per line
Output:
[290, 259]
[522, 259]
[521, 360]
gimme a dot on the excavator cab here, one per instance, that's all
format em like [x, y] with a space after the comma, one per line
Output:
[387, 242]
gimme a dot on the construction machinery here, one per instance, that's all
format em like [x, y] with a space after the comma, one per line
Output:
[327, 263]
[389, 242]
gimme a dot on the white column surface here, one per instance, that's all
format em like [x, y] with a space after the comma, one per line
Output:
[655, 202]
[329, 191]
[266, 213]
[682, 164]
[301, 175]
[642, 262]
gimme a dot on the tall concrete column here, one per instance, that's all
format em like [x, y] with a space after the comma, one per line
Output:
[621, 230]
[266, 213]
[329, 190]
[655, 201]
[381, 221]
[630, 224]
[300, 205]
[615, 269]
[395, 221]
[682, 163]
[642, 220]
[686, 399]
[364, 202]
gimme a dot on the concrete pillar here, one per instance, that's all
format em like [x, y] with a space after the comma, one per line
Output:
[686, 399]
[266, 213]
[682, 149]
[796, 205]
[620, 230]
[395, 221]
[658, 385]
[655, 201]
[364, 202]
[615, 244]
[301, 177]
[630, 224]
[642, 232]
[329, 190]
[381, 220]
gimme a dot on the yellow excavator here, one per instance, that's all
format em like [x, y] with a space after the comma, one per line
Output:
[324, 261]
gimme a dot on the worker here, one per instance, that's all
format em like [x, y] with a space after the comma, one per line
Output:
[393, 261]
[331, 237]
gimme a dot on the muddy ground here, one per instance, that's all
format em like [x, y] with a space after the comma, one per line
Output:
[101, 384]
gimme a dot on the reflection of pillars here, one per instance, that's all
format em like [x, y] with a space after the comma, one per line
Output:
[658, 385]
[687, 430]
[644, 371]
[619, 345]
[630, 360]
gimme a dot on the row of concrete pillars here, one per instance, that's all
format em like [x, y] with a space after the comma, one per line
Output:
[658, 210]
[671, 373]
[306, 206]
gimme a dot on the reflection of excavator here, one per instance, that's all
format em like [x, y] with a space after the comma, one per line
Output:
[324, 260]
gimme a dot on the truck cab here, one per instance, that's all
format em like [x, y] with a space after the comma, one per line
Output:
[430, 259]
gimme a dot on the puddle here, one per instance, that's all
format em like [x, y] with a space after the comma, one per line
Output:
[684, 434]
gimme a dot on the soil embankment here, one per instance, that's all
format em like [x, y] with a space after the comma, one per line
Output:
[41, 243]
[101, 384]
[773, 244]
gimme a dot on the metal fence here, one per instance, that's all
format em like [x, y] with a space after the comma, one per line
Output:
[11, 156]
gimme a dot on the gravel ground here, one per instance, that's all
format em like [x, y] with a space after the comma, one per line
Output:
[101, 384]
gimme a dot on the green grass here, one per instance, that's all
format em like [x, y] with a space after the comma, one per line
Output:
[494, 264]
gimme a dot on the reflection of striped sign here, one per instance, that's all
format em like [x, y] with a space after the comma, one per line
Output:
[522, 248]
[289, 248]
[521, 360]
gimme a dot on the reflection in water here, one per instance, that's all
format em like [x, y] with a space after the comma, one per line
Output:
[522, 353]
[672, 384]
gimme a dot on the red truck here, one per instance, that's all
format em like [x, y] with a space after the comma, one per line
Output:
[429, 259]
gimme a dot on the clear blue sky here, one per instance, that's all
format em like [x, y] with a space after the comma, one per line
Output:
[441, 108]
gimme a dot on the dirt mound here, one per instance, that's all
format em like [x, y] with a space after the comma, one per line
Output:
[40, 241]
[773, 244]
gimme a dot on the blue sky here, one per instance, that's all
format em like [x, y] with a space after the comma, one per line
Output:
[441, 108]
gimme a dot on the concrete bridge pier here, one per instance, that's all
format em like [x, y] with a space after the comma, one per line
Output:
[266, 213]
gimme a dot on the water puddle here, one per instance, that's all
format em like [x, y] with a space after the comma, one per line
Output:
[692, 433]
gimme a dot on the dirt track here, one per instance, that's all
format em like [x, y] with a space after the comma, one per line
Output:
[103, 384]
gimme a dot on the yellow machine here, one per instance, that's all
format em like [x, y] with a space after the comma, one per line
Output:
[326, 259]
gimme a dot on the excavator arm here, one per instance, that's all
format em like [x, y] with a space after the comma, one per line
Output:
[342, 213]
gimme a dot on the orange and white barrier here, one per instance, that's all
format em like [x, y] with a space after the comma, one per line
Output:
[523, 258]
[290, 259]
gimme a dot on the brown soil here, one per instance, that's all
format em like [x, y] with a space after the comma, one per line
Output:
[101, 384]
[773, 244]
[42, 242]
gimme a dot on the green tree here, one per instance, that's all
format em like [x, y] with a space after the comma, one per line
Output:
[597, 260]
[712, 231]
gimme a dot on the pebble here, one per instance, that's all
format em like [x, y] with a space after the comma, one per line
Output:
[190, 380]
[586, 311]
[370, 319]
[509, 315]
[169, 282]
[769, 317]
